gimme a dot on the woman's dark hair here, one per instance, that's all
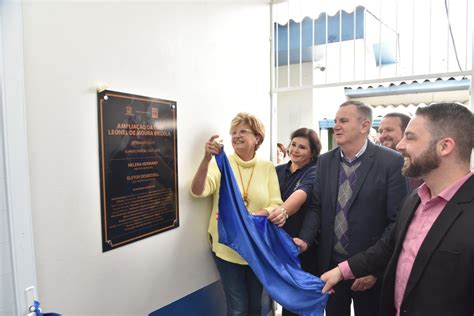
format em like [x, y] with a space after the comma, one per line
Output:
[313, 139]
[282, 149]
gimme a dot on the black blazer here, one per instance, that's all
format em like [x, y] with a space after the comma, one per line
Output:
[378, 193]
[441, 282]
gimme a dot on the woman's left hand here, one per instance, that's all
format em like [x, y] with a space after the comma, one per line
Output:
[278, 216]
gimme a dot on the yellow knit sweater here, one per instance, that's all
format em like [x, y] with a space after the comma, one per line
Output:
[263, 192]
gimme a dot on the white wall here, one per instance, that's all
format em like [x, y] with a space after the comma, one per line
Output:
[295, 110]
[294, 107]
[212, 58]
[7, 303]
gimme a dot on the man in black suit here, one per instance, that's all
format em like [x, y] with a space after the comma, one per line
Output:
[357, 192]
[428, 255]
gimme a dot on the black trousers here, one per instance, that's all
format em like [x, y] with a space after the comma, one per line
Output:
[288, 313]
[366, 303]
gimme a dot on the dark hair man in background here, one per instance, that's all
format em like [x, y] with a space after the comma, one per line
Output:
[391, 129]
[428, 255]
[357, 192]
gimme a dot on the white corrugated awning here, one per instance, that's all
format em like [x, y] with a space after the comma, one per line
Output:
[380, 110]
[407, 82]
[411, 93]
[296, 10]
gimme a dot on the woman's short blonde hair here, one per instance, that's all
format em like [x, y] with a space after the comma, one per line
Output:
[253, 122]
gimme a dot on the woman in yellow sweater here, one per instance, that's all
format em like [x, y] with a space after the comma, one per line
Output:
[258, 184]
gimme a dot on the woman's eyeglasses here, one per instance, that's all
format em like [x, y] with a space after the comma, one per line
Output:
[241, 132]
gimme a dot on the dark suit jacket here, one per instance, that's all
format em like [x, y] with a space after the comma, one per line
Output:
[379, 191]
[441, 282]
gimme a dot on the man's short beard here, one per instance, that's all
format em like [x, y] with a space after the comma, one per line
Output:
[427, 162]
[393, 145]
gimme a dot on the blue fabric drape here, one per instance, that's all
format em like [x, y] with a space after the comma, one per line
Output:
[268, 249]
[37, 310]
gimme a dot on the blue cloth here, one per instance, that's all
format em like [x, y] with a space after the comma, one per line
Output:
[269, 250]
[38, 312]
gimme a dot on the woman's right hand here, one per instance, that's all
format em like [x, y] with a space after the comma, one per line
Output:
[213, 147]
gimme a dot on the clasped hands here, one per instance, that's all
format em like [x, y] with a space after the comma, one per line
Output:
[278, 216]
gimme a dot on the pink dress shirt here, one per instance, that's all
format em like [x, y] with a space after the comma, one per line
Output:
[422, 221]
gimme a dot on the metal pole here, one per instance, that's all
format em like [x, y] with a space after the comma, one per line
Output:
[354, 34]
[380, 39]
[273, 107]
[288, 43]
[429, 40]
[301, 48]
[448, 40]
[413, 40]
[340, 44]
[326, 52]
[397, 40]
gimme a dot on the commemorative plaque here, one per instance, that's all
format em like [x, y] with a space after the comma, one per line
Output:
[138, 167]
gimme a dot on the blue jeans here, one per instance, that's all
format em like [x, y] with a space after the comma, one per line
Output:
[242, 289]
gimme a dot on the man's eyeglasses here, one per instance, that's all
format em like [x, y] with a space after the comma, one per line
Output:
[241, 132]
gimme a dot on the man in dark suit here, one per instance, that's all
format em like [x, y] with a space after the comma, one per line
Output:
[428, 255]
[357, 192]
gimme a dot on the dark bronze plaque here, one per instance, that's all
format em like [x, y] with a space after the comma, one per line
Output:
[138, 167]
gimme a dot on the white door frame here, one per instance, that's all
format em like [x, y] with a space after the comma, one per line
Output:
[16, 154]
